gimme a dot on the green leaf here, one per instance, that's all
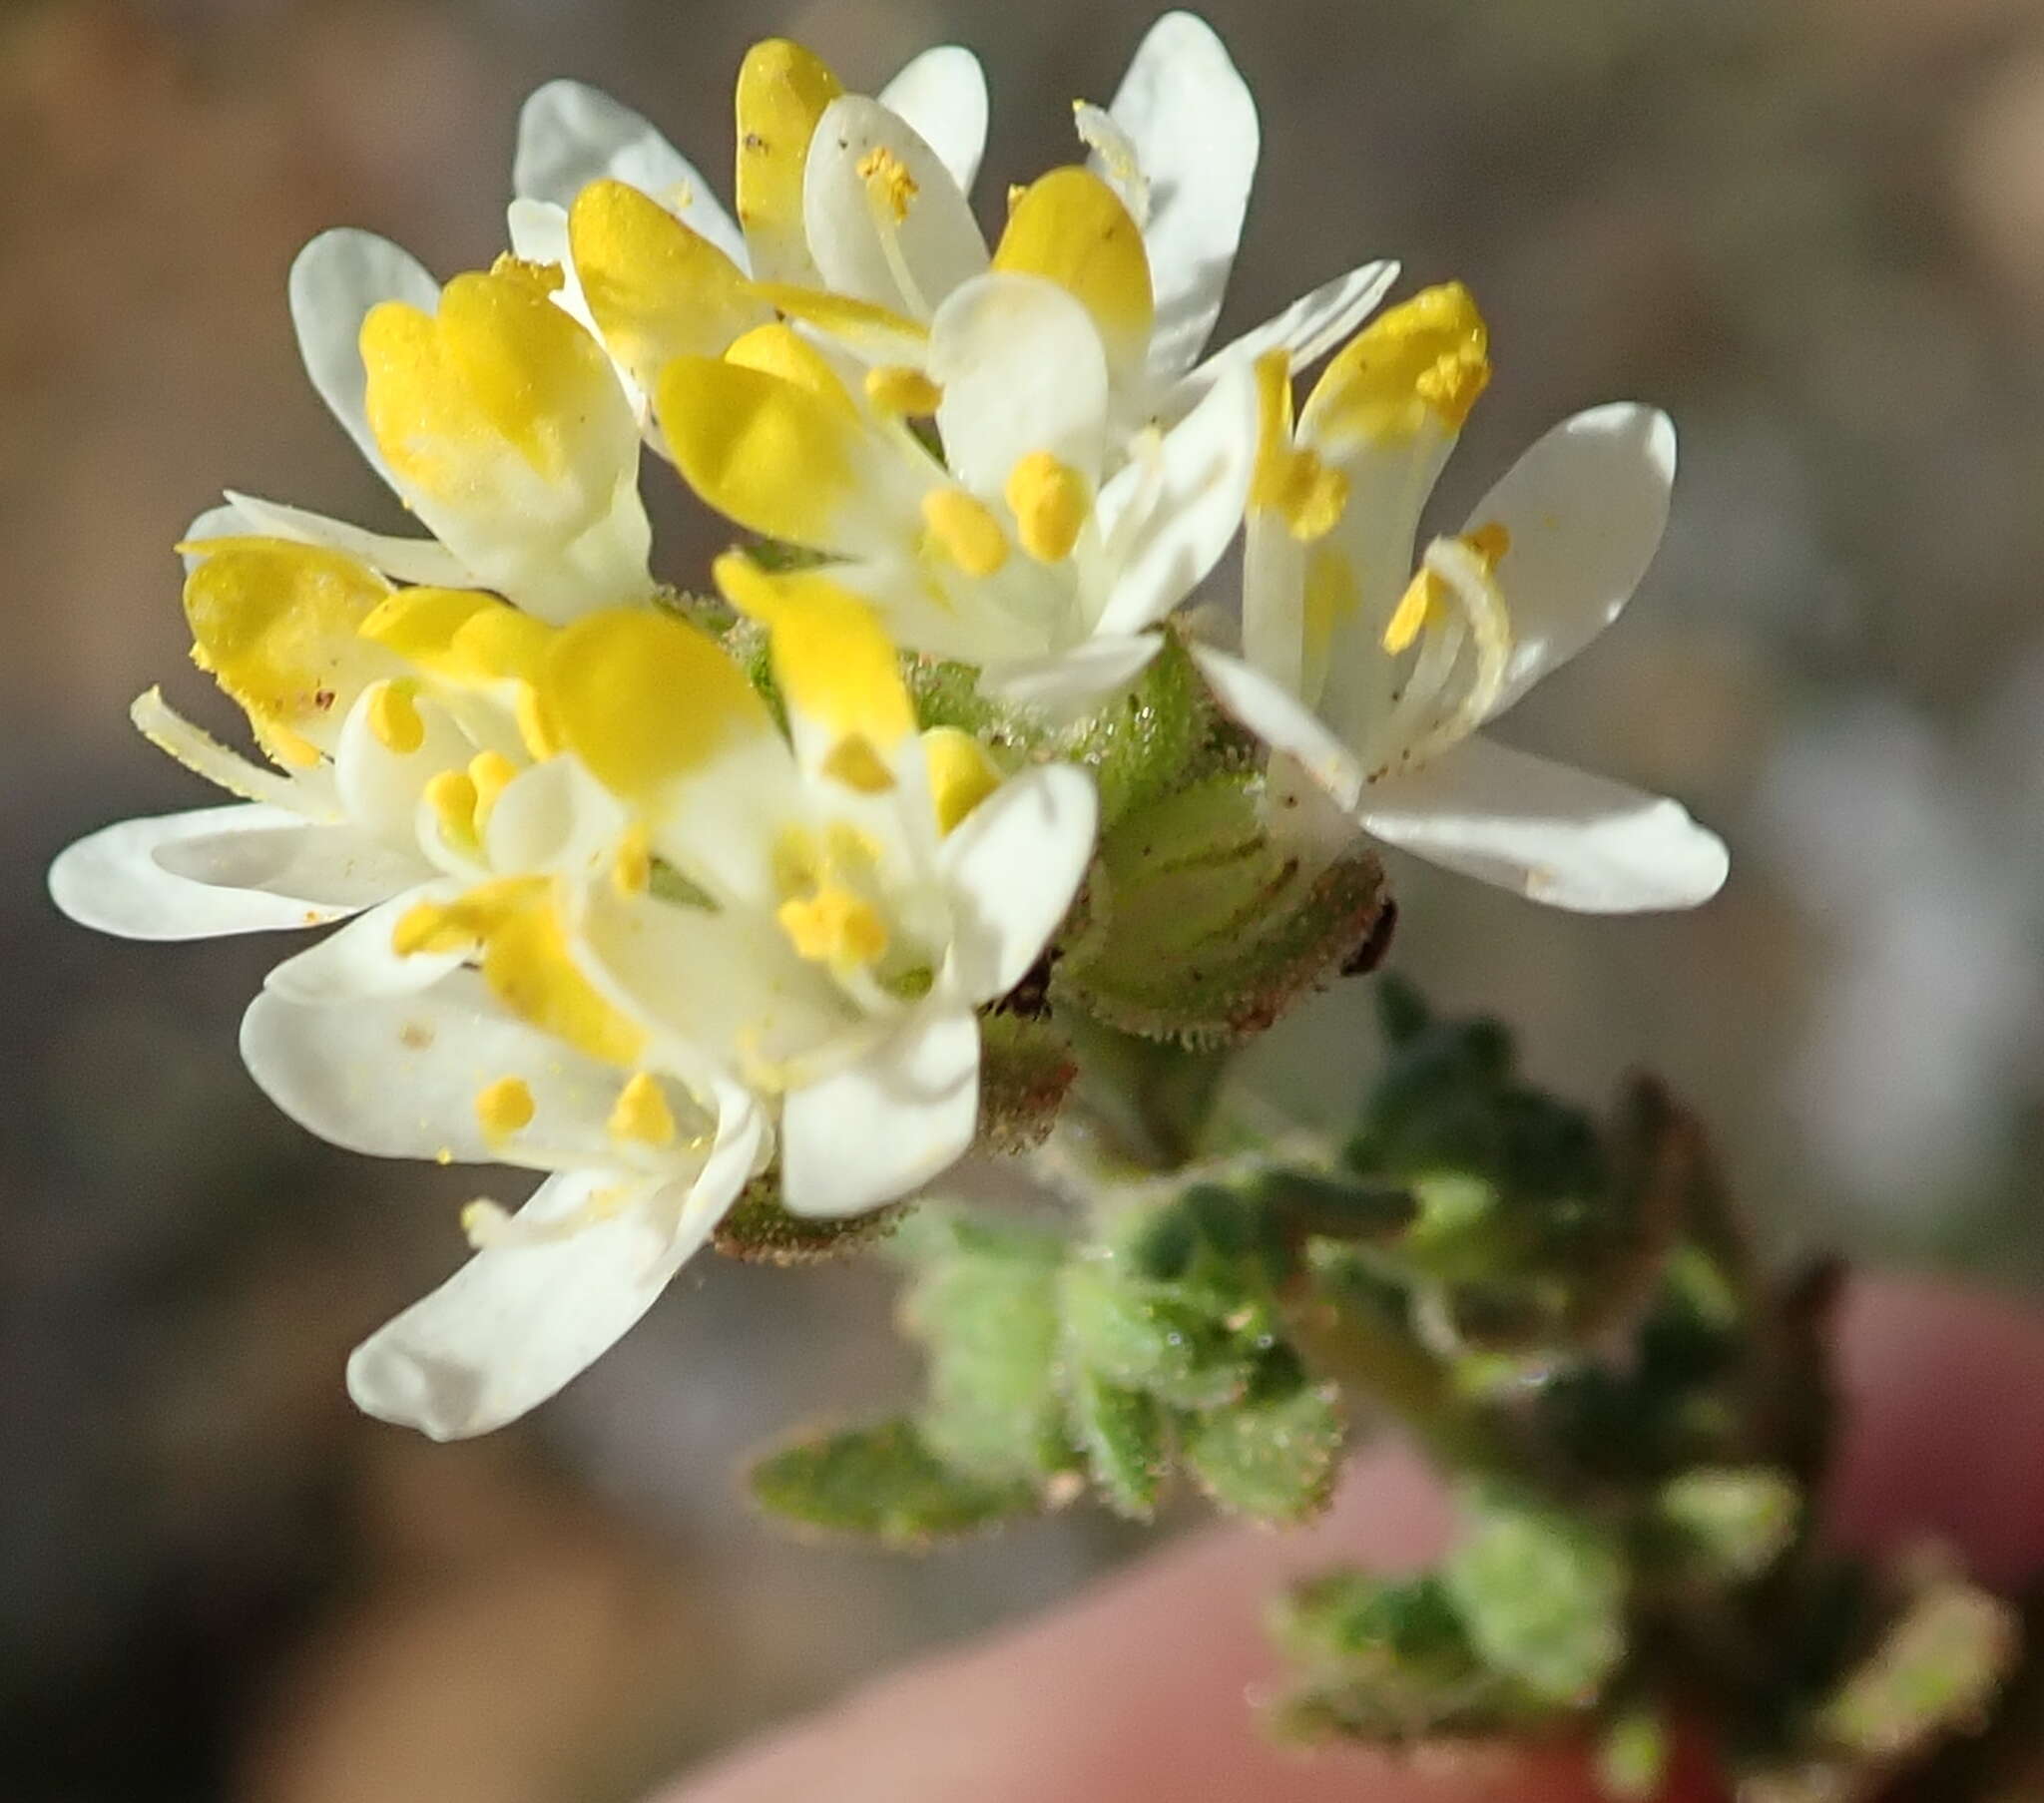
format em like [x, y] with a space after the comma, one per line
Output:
[1122, 1434]
[1633, 1756]
[881, 1484]
[1139, 1336]
[1541, 1593]
[1272, 1456]
[1199, 928]
[1330, 1206]
[1935, 1672]
[984, 1307]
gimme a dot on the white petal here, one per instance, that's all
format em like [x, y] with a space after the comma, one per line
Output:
[356, 959]
[1585, 508]
[1023, 370]
[424, 561]
[225, 522]
[516, 1323]
[1013, 866]
[1194, 125]
[1557, 834]
[338, 277]
[1284, 723]
[1068, 686]
[1308, 329]
[242, 869]
[396, 1076]
[1195, 496]
[570, 135]
[880, 1128]
[938, 240]
[941, 96]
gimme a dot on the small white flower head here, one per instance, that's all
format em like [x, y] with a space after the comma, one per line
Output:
[1375, 679]
[818, 914]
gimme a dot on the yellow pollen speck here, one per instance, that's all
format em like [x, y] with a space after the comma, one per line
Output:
[632, 868]
[1491, 542]
[1415, 607]
[967, 530]
[453, 799]
[1050, 503]
[835, 927]
[895, 388]
[492, 773]
[854, 763]
[394, 718]
[504, 1106]
[641, 1114]
[887, 179]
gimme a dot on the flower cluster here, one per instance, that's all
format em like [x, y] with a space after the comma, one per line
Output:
[673, 898]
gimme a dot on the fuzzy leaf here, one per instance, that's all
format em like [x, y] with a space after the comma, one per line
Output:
[1147, 742]
[1139, 1336]
[880, 1483]
[1122, 1434]
[984, 1307]
[1273, 1454]
[1542, 1595]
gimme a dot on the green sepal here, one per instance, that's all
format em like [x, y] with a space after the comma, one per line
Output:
[1274, 1455]
[1124, 1435]
[881, 1484]
[1148, 743]
[759, 1230]
[1026, 1070]
[983, 1305]
[1542, 1595]
[1197, 927]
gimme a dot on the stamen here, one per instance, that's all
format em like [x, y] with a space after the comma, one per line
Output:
[966, 530]
[1101, 135]
[1051, 503]
[504, 1107]
[632, 867]
[962, 775]
[394, 718]
[452, 797]
[888, 181]
[834, 926]
[641, 1114]
[1415, 608]
[492, 773]
[895, 388]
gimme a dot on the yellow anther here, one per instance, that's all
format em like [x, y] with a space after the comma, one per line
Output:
[492, 773]
[452, 797]
[1421, 602]
[1051, 502]
[504, 1106]
[966, 530]
[895, 388]
[632, 867]
[394, 718]
[854, 763]
[962, 775]
[641, 1114]
[1311, 495]
[1490, 541]
[887, 180]
[834, 926]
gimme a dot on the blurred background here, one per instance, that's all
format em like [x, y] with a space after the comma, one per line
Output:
[1811, 229]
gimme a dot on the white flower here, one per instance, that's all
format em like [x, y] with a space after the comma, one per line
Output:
[643, 1168]
[1376, 681]
[1017, 557]
[410, 750]
[820, 920]
[497, 419]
